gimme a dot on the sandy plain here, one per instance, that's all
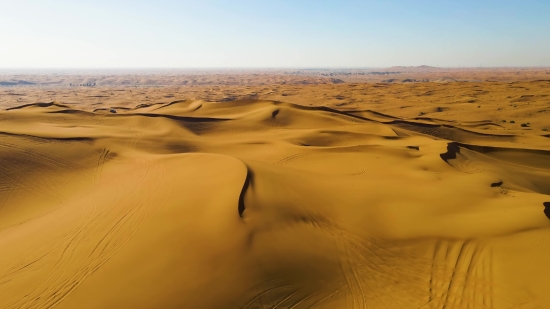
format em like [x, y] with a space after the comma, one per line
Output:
[276, 193]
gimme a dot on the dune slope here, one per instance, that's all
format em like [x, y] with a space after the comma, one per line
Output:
[263, 204]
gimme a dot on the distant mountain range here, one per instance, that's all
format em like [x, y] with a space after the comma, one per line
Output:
[415, 68]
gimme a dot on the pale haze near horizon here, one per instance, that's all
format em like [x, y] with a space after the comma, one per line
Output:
[272, 34]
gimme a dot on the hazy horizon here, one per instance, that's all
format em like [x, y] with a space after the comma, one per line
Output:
[213, 34]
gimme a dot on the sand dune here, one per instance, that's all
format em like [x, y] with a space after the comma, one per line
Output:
[267, 204]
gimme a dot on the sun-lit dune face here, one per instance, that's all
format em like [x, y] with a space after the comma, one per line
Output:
[269, 204]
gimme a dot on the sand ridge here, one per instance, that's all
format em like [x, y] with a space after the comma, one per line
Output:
[273, 203]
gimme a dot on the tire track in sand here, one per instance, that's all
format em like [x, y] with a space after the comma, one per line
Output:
[117, 224]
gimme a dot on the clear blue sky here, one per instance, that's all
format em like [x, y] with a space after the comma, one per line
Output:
[273, 34]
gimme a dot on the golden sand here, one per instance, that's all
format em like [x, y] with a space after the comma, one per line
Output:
[321, 196]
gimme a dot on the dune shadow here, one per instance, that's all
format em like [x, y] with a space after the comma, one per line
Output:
[452, 150]
[496, 184]
[40, 104]
[247, 182]
[47, 139]
[547, 209]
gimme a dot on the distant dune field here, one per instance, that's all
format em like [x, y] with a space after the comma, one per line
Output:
[329, 195]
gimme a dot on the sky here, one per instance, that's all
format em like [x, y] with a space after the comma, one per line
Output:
[273, 34]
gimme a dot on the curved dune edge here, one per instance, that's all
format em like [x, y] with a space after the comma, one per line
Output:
[265, 204]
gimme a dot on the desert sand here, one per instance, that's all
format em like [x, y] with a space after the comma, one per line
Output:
[276, 195]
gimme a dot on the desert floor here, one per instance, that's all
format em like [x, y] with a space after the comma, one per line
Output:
[279, 194]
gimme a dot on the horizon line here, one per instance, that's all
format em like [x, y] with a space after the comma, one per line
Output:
[270, 68]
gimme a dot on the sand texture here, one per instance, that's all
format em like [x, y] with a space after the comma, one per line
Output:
[344, 196]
